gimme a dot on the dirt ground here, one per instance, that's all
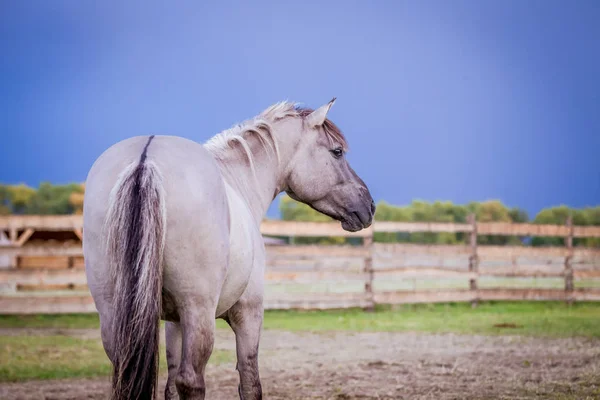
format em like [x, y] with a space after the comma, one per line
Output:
[345, 365]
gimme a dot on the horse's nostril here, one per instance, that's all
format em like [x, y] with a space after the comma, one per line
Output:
[373, 207]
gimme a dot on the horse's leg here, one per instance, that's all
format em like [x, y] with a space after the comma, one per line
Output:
[173, 339]
[245, 318]
[198, 332]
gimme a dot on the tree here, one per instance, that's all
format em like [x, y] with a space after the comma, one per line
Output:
[47, 199]
[559, 215]
[421, 211]
[587, 216]
[20, 198]
[4, 200]
[491, 211]
[518, 215]
[388, 212]
[15, 199]
[553, 216]
[53, 199]
[76, 200]
[68, 199]
[438, 211]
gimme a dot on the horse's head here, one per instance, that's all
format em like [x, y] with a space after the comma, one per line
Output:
[319, 173]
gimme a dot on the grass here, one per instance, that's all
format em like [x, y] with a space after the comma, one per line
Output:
[55, 357]
[62, 321]
[544, 319]
[51, 357]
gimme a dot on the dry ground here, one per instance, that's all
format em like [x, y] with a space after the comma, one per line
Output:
[346, 365]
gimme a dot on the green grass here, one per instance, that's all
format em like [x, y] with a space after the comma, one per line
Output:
[51, 357]
[62, 321]
[544, 319]
[55, 357]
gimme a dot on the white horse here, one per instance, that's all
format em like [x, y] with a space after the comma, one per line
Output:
[172, 232]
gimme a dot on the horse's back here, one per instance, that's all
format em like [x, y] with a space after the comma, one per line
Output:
[197, 229]
[190, 176]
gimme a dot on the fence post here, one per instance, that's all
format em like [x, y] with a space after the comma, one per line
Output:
[568, 272]
[13, 237]
[473, 259]
[369, 273]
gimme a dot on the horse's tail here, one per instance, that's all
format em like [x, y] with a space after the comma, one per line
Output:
[136, 225]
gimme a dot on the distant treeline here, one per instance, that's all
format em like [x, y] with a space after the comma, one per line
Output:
[48, 199]
[446, 211]
[51, 199]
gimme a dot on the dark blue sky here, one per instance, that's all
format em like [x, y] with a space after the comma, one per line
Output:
[451, 100]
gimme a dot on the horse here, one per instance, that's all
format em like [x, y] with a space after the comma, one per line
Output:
[172, 232]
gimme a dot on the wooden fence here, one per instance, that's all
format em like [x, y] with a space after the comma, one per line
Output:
[42, 267]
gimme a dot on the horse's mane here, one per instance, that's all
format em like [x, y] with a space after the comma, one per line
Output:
[261, 127]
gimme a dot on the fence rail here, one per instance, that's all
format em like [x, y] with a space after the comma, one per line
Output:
[44, 266]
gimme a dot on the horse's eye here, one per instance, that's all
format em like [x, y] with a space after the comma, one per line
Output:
[337, 153]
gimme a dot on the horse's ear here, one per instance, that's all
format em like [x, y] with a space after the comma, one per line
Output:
[318, 117]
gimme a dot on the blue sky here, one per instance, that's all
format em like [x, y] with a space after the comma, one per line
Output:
[450, 100]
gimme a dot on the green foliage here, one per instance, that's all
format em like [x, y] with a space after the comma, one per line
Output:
[421, 211]
[589, 216]
[446, 211]
[53, 199]
[76, 200]
[559, 215]
[518, 215]
[388, 212]
[20, 197]
[15, 199]
[555, 215]
[48, 199]
[495, 211]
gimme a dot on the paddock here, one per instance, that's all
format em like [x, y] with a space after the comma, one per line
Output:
[519, 350]
[363, 320]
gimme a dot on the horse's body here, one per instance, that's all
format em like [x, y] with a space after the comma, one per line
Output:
[172, 232]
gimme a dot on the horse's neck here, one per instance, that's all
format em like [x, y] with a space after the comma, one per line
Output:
[258, 186]
[257, 189]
